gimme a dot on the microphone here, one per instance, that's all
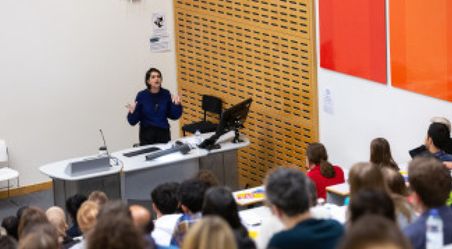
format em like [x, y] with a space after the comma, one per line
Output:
[105, 144]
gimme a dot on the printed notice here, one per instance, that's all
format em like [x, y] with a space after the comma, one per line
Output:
[160, 40]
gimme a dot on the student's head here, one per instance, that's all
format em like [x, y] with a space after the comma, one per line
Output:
[141, 218]
[286, 189]
[20, 211]
[317, 155]
[87, 216]
[210, 232]
[153, 78]
[208, 177]
[371, 202]
[365, 176]
[99, 197]
[57, 218]
[73, 203]
[31, 217]
[442, 120]
[380, 153]
[164, 198]
[220, 201]
[8, 242]
[191, 195]
[115, 229]
[10, 224]
[438, 136]
[115, 208]
[374, 231]
[43, 237]
[430, 181]
[395, 181]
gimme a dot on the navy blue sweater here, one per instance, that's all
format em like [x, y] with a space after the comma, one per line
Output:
[309, 234]
[154, 109]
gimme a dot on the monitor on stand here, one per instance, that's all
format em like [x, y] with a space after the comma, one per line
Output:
[231, 119]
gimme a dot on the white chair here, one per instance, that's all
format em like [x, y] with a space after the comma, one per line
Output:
[6, 173]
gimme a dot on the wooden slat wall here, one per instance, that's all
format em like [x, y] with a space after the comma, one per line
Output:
[264, 49]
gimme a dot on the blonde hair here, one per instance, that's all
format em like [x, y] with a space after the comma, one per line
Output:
[57, 218]
[210, 232]
[87, 216]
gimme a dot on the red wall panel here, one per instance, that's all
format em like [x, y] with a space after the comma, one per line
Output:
[421, 46]
[353, 37]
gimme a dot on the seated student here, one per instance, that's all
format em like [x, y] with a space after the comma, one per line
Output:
[73, 203]
[320, 170]
[86, 219]
[431, 184]
[31, 216]
[11, 223]
[437, 137]
[271, 225]
[41, 236]
[220, 201]
[366, 176]
[98, 197]
[447, 145]
[380, 154]
[288, 198]
[33, 229]
[395, 182]
[141, 217]
[165, 205]
[115, 229]
[57, 218]
[191, 197]
[7, 242]
[208, 177]
[374, 231]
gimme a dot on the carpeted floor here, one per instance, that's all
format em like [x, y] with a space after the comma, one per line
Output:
[42, 199]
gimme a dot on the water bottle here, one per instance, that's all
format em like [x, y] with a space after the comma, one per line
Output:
[434, 234]
[198, 138]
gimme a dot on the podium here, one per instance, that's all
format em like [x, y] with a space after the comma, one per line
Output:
[67, 182]
[134, 178]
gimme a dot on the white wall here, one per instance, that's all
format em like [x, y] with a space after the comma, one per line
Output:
[363, 110]
[68, 67]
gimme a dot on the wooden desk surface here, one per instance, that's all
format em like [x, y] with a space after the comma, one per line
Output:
[342, 189]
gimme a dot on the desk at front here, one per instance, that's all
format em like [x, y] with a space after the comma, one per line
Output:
[135, 178]
[140, 176]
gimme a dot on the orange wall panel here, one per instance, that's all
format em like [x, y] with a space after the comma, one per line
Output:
[421, 46]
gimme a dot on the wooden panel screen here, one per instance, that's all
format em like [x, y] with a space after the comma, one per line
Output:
[260, 49]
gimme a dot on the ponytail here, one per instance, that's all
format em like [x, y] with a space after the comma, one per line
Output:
[326, 169]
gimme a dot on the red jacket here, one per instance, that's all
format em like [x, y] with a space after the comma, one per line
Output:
[322, 182]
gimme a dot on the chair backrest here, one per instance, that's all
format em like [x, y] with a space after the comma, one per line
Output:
[3, 151]
[212, 104]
